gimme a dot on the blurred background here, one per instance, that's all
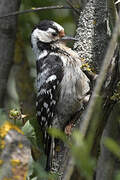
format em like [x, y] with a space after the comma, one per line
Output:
[21, 83]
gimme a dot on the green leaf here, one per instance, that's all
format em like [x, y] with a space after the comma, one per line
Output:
[77, 138]
[36, 148]
[29, 131]
[112, 146]
[41, 173]
[56, 133]
[81, 155]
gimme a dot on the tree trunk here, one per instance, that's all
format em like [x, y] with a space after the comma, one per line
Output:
[7, 43]
[92, 33]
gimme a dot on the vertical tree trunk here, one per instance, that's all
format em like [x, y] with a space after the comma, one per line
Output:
[92, 45]
[7, 43]
[92, 33]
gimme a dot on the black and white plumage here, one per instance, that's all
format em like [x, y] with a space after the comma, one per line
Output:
[61, 85]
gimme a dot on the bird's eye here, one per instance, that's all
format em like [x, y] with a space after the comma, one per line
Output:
[54, 34]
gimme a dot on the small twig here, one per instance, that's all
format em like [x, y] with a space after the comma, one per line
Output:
[34, 10]
[69, 169]
[72, 7]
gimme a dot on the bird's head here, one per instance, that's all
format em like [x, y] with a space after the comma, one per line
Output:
[46, 33]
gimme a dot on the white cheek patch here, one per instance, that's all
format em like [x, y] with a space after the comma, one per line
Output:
[50, 30]
[43, 36]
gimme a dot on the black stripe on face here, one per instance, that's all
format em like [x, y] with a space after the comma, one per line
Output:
[43, 45]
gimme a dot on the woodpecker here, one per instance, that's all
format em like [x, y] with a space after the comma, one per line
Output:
[62, 87]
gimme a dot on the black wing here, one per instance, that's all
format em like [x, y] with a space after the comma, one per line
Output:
[49, 76]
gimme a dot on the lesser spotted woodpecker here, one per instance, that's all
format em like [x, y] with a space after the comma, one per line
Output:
[61, 84]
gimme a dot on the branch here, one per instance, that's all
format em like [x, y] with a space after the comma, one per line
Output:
[34, 10]
[72, 7]
[69, 169]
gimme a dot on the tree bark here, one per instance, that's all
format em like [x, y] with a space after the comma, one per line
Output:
[7, 43]
[92, 33]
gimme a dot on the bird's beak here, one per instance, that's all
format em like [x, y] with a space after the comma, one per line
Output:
[68, 38]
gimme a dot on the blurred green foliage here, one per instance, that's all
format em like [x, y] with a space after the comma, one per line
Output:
[83, 159]
[112, 146]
